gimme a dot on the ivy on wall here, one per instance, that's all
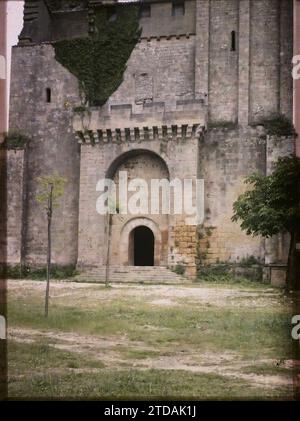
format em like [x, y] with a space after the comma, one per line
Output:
[15, 140]
[278, 125]
[99, 60]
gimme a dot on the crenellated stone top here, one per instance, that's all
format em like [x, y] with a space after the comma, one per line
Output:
[118, 122]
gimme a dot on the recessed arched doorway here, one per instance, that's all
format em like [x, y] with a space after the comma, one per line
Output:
[141, 246]
[126, 242]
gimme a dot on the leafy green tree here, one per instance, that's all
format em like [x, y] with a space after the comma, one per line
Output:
[51, 188]
[272, 206]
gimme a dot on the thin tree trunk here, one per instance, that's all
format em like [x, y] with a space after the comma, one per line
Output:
[109, 219]
[293, 265]
[49, 217]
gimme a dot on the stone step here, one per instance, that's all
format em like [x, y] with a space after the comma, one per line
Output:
[131, 274]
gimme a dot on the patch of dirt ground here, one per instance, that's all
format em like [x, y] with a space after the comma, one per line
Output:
[110, 349]
[157, 295]
[107, 350]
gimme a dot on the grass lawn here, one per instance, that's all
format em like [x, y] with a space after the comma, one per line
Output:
[200, 341]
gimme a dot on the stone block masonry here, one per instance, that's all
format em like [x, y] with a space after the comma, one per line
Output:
[52, 148]
[196, 89]
[15, 177]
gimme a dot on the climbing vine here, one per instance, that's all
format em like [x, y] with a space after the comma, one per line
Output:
[278, 125]
[99, 60]
[15, 140]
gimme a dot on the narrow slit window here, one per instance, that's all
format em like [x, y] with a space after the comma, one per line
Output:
[178, 8]
[48, 95]
[233, 41]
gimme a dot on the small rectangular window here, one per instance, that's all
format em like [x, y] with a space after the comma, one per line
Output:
[178, 8]
[145, 11]
[48, 95]
[233, 41]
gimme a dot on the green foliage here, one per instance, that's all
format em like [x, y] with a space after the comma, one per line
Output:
[225, 279]
[214, 271]
[224, 274]
[248, 261]
[81, 109]
[203, 233]
[273, 204]
[113, 205]
[45, 182]
[27, 272]
[13, 272]
[179, 269]
[247, 270]
[15, 140]
[99, 61]
[279, 125]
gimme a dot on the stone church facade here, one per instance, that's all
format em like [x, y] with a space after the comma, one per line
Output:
[201, 80]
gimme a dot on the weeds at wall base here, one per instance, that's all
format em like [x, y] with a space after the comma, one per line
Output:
[39, 273]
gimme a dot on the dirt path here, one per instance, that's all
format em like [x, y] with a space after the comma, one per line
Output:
[107, 350]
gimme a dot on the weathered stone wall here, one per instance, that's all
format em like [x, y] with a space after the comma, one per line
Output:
[73, 24]
[247, 84]
[158, 71]
[226, 157]
[147, 167]
[161, 23]
[52, 147]
[264, 57]
[181, 161]
[69, 22]
[286, 52]
[270, 57]
[253, 82]
[244, 85]
[37, 22]
[223, 62]
[182, 73]
[14, 218]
